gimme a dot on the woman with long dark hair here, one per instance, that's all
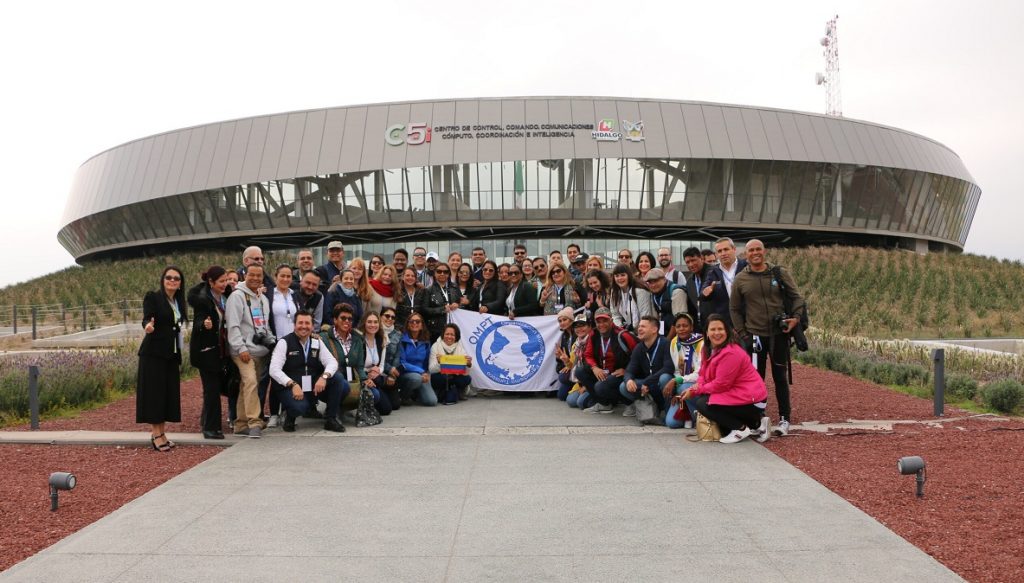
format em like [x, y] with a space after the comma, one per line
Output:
[207, 350]
[729, 391]
[158, 390]
[466, 283]
[597, 284]
[408, 297]
[489, 296]
[630, 302]
[644, 262]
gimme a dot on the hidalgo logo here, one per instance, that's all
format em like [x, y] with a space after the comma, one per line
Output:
[509, 353]
[413, 134]
[605, 131]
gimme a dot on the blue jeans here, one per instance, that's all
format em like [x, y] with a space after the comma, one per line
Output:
[411, 385]
[333, 394]
[656, 394]
[670, 421]
[564, 385]
[579, 400]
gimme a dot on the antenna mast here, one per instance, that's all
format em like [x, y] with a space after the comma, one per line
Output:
[830, 79]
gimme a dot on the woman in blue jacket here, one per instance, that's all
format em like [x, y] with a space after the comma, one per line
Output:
[414, 363]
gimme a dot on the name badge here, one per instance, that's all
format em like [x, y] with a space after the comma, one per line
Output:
[559, 306]
[661, 327]
[307, 383]
[348, 373]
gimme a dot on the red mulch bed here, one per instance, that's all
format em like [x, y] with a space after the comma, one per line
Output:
[971, 517]
[108, 478]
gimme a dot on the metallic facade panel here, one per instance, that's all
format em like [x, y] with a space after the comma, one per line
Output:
[794, 141]
[466, 115]
[330, 144]
[164, 168]
[441, 151]
[696, 131]
[352, 144]
[312, 139]
[419, 155]
[607, 110]
[121, 189]
[560, 110]
[538, 145]
[894, 150]
[582, 112]
[394, 156]
[881, 148]
[272, 146]
[372, 157]
[513, 112]
[141, 167]
[177, 162]
[149, 182]
[236, 157]
[293, 132]
[737, 132]
[207, 150]
[807, 137]
[773, 132]
[756, 135]
[490, 115]
[826, 141]
[630, 111]
[676, 145]
[874, 157]
[857, 155]
[254, 150]
[188, 168]
[718, 135]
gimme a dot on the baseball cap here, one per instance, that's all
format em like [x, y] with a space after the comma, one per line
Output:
[603, 313]
[653, 274]
[432, 255]
[580, 320]
[335, 245]
[581, 258]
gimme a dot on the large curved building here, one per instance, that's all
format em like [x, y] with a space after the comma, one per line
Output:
[521, 167]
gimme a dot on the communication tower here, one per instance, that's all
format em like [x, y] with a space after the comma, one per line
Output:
[830, 79]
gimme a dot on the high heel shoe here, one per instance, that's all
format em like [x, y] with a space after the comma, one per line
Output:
[161, 447]
[169, 443]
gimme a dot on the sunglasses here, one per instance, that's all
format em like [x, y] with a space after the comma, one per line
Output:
[419, 254]
[520, 252]
[511, 273]
[388, 316]
[375, 262]
[415, 321]
[442, 271]
[345, 318]
[171, 278]
[625, 256]
[489, 269]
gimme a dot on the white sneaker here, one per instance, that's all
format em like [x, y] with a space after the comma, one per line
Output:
[688, 424]
[272, 422]
[764, 431]
[736, 436]
[782, 429]
[630, 410]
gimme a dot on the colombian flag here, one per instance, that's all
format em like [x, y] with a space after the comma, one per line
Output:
[453, 364]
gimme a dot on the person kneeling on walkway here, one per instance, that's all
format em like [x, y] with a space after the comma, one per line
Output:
[729, 391]
[302, 372]
[605, 357]
[649, 369]
[448, 387]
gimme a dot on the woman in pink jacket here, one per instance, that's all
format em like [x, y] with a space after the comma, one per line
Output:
[729, 391]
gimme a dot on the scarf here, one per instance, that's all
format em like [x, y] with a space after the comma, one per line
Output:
[386, 291]
[349, 292]
[388, 329]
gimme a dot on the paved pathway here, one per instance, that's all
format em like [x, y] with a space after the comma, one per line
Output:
[489, 490]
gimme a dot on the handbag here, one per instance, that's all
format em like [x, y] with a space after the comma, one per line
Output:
[707, 430]
[366, 412]
[647, 411]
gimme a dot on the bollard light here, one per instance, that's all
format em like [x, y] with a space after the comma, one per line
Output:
[910, 465]
[60, 481]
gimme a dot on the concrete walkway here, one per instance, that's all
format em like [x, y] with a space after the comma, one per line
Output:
[489, 490]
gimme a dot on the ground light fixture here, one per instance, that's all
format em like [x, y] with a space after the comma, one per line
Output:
[60, 481]
[913, 464]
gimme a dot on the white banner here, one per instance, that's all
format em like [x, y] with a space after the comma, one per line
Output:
[510, 355]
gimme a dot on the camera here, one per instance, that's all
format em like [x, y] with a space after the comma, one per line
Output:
[796, 332]
[263, 338]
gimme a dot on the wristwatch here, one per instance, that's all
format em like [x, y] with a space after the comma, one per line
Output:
[325, 376]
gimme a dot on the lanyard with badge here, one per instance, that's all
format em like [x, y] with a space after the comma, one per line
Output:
[653, 354]
[307, 379]
[348, 369]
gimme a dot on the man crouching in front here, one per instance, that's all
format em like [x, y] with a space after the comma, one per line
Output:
[302, 372]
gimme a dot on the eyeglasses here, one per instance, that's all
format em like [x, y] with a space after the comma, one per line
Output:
[540, 266]
[415, 321]
[624, 256]
[520, 252]
[489, 269]
[388, 316]
[554, 271]
[345, 318]
[514, 273]
[419, 254]
[442, 271]
[171, 278]
[375, 262]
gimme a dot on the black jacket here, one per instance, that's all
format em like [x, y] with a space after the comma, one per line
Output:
[718, 301]
[162, 342]
[207, 349]
[525, 302]
[404, 306]
[694, 306]
[433, 306]
[492, 296]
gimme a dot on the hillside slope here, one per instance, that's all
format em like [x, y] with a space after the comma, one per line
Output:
[851, 290]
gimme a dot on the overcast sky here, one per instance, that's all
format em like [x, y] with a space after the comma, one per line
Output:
[83, 77]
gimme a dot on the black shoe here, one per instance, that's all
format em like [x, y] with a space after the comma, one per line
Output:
[313, 413]
[289, 423]
[334, 425]
[406, 402]
[213, 435]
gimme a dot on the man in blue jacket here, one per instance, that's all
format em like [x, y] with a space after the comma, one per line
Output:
[715, 294]
[650, 367]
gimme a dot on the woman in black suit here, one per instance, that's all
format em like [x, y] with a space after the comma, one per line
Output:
[522, 296]
[441, 298]
[489, 296]
[158, 390]
[408, 297]
[208, 348]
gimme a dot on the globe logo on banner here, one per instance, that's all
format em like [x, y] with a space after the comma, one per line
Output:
[511, 352]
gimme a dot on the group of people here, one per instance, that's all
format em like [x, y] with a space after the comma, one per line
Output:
[698, 338]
